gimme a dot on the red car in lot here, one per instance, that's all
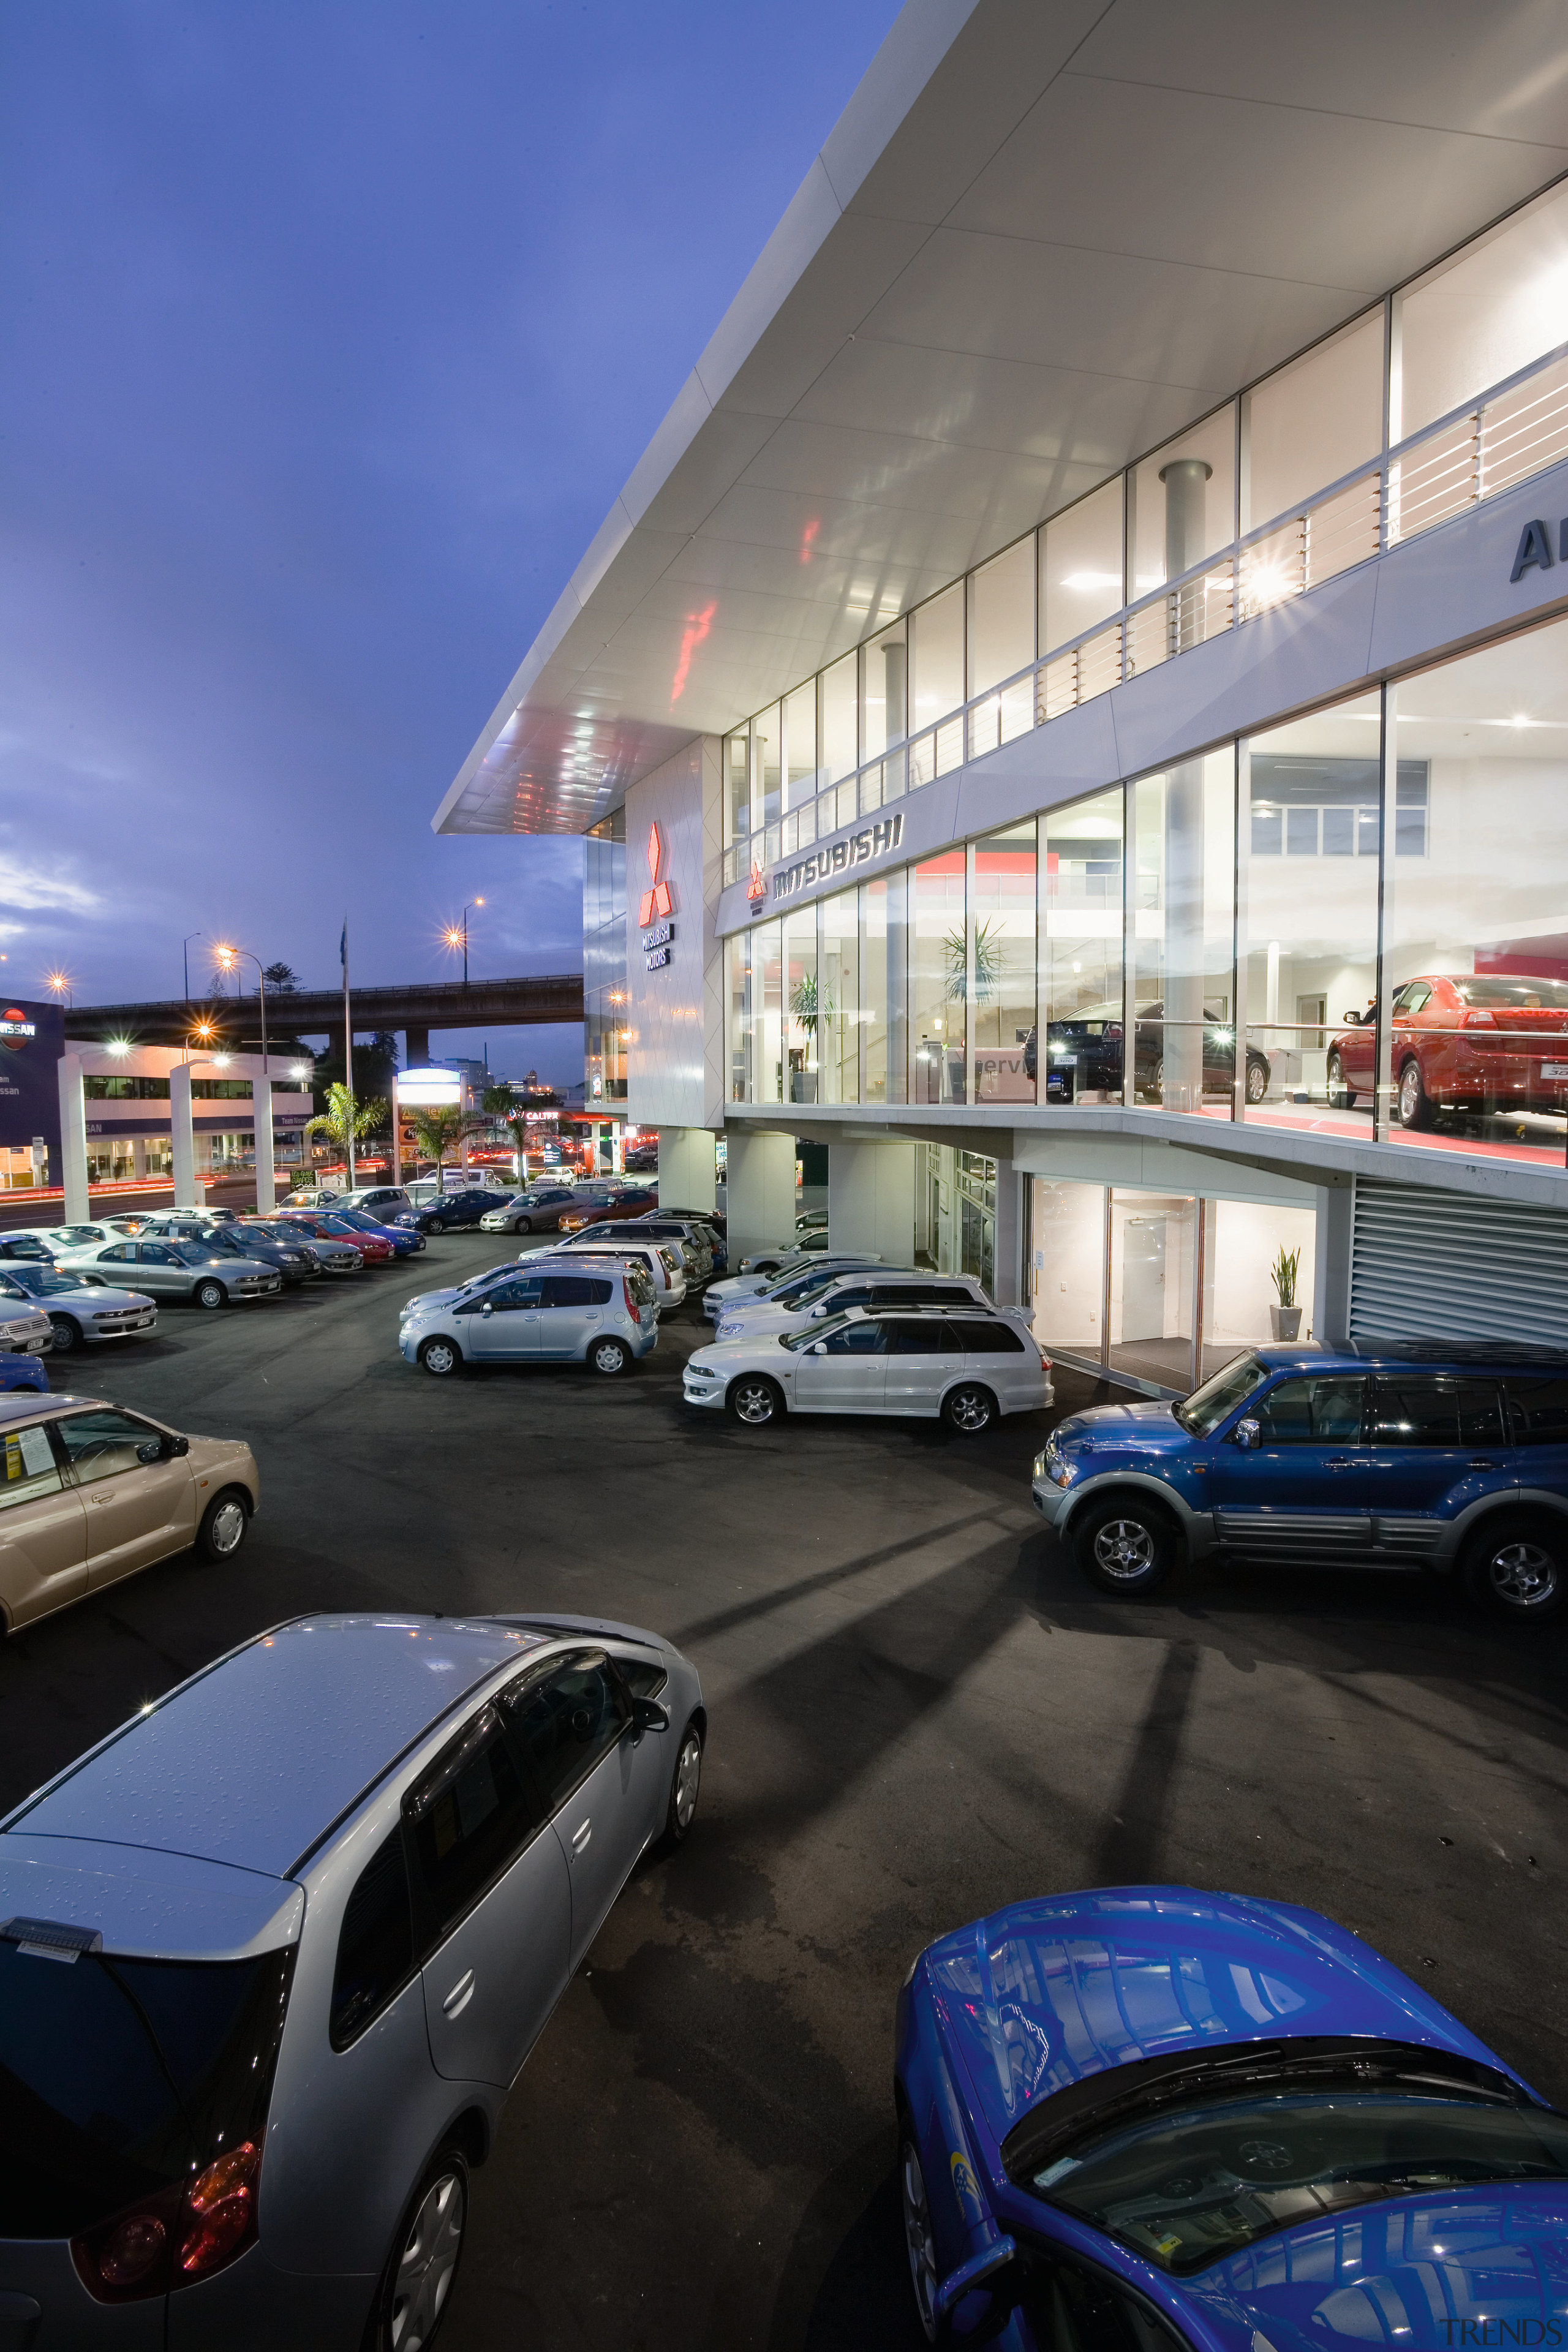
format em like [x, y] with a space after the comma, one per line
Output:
[325, 1227]
[628, 1204]
[1462, 1041]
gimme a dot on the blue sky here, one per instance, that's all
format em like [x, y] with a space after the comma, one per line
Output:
[332, 331]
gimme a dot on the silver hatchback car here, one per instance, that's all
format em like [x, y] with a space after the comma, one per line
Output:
[272, 1954]
[603, 1315]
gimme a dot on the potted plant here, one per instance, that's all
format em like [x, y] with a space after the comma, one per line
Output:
[1285, 1319]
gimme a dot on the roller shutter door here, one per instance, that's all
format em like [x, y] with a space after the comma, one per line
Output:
[1448, 1265]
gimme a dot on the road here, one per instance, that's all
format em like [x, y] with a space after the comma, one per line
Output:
[919, 1712]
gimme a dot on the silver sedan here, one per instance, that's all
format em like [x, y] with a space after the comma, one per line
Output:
[176, 1270]
[82, 1308]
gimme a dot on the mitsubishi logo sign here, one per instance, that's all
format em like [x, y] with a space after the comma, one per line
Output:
[657, 899]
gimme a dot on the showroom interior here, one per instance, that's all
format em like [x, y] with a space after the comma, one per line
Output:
[1161, 913]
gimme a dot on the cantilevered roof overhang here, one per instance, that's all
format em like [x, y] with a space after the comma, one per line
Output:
[1043, 236]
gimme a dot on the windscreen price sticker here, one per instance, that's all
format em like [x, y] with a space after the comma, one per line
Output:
[656, 946]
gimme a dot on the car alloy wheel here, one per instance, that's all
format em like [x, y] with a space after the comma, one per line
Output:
[754, 1403]
[1123, 1547]
[1414, 1106]
[67, 1334]
[1256, 1080]
[685, 1784]
[920, 2241]
[1516, 1569]
[211, 1294]
[1341, 1097]
[610, 1356]
[969, 1409]
[436, 1226]
[441, 1357]
[222, 1529]
[427, 2264]
[1522, 1576]
[523, 1226]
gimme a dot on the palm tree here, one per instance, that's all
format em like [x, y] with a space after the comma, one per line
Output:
[348, 1118]
[501, 1109]
[437, 1130]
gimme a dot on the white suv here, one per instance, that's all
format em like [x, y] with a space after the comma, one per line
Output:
[835, 1292]
[969, 1368]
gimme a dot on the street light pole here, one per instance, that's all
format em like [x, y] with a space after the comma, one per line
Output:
[185, 951]
[262, 1128]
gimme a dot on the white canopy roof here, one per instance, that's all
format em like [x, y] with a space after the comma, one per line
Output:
[1043, 236]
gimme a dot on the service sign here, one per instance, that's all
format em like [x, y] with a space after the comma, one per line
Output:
[32, 1039]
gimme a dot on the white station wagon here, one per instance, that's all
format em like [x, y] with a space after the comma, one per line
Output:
[970, 1368]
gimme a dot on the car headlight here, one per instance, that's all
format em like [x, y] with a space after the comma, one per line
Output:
[730, 1330]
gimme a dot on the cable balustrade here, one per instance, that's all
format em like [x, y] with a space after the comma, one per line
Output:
[1486, 446]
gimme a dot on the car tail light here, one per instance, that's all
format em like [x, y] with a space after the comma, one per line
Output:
[626, 1295]
[177, 2236]
[1478, 1020]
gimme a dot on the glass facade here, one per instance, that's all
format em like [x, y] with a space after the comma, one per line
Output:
[1393, 424]
[1236, 912]
[605, 995]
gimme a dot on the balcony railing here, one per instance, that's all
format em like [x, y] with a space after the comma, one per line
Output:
[1491, 445]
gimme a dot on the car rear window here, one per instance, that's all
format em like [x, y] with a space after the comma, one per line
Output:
[983, 1339]
[1538, 1411]
[120, 2077]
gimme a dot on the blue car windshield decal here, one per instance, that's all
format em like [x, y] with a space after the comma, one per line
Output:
[1204, 2181]
[1206, 1407]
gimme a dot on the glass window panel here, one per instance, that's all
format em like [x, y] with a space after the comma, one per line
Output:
[1151, 1317]
[1314, 421]
[800, 744]
[839, 753]
[1183, 913]
[938, 657]
[1080, 952]
[838, 999]
[767, 963]
[766, 748]
[1184, 502]
[1490, 310]
[1068, 1274]
[1245, 1242]
[938, 979]
[1473, 901]
[1002, 616]
[800, 1004]
[1003, 1008]
[1312, 914]
[737, 757]
[1080, 566]
[884, 985]
[885, 690]
[742, 1015]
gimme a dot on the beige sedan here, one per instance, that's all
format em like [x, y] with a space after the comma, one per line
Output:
[89, 1493]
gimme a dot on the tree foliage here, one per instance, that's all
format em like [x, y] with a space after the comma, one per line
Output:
[347, 1119]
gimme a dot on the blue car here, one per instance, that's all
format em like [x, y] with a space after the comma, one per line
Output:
[19, 1371]
[454, 1211]
[405, 1240]
[1408, 1455]
[1149, 2119]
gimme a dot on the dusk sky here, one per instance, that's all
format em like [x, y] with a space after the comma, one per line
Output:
[332, 331]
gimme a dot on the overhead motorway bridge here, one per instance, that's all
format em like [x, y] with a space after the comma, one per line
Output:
[413, 1010]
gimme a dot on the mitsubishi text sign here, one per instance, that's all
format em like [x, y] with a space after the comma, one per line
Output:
[32, 1039]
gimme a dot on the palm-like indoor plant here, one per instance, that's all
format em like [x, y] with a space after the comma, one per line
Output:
[1285, 1319]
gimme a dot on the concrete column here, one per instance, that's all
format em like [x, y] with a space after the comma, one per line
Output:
[759, 1192]
[1183, 1041]
[415, 1048]
[73, 1138]
[687, 1176]
[1331, 1258]
[266, 1151]
[1010, 1281]
[182, 1136]
[1186, 482]
[871, 1199]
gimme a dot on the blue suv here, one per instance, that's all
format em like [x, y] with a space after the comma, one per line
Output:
[1378, 1454]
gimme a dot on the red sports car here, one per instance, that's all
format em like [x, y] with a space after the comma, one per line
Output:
[1462, 1041]
[370, 1247]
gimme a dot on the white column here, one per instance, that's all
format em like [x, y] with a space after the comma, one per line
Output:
[1011, 1286]
[73, 1139]
[266, 1160]
[687, 1176]
[759, 1192]
[871, 1199]
[182, 1136]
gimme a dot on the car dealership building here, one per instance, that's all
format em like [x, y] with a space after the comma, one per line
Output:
[1071, 708]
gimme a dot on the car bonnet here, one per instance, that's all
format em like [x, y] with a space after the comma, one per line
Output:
[1046, 1993]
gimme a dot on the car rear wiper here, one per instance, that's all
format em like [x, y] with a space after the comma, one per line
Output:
[1132, 2094]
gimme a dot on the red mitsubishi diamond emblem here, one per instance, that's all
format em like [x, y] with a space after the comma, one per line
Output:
[657, 899]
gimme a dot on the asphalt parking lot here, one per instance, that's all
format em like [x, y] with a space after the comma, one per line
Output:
[919, 1712]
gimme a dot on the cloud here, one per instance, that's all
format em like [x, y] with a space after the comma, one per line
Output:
[24, 886]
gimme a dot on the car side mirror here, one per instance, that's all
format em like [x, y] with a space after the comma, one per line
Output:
[1353, 1020]
[488, 1308]
[1247, 1433]
[819, 1348]
[817, 1313]
[651, 1715]
[172, 1448]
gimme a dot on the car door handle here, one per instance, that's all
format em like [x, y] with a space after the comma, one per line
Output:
[1339, 1462]
[1480, 1463]
[459, 1996]
[581, 1835]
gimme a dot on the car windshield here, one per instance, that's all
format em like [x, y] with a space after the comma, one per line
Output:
[42, 1281]
[1207, 1406]
[1199, 2184]
[812, 1333]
